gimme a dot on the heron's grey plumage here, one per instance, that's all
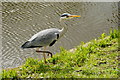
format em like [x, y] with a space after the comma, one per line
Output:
[43, 38]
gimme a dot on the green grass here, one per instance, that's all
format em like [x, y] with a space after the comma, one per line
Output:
[96, 59]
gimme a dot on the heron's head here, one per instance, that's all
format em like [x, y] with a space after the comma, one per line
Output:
[65, 16]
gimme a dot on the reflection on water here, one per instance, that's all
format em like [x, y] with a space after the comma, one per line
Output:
[22, 20]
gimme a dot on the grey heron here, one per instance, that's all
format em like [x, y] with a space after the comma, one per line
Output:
[47, 37]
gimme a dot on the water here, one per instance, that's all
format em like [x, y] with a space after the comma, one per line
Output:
[22, 20]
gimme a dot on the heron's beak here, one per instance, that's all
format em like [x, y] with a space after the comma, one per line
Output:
[74, 16]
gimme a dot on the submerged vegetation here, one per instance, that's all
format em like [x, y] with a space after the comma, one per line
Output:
[96, 59]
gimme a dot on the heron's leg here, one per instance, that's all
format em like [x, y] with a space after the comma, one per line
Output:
[37, 50]
[45, 52]
[44, 55]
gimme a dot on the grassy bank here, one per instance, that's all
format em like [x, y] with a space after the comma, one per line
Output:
[96, 59]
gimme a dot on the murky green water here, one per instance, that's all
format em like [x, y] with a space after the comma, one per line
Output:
[22, 20]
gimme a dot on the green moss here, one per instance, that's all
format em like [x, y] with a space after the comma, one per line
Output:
[96, 59]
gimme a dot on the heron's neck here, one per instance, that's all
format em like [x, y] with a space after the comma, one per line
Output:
[64, 29]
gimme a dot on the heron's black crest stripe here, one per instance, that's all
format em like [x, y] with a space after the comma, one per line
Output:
[64, 15]
[52, 43]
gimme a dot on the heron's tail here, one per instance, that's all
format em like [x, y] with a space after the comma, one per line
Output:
[26, 45]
